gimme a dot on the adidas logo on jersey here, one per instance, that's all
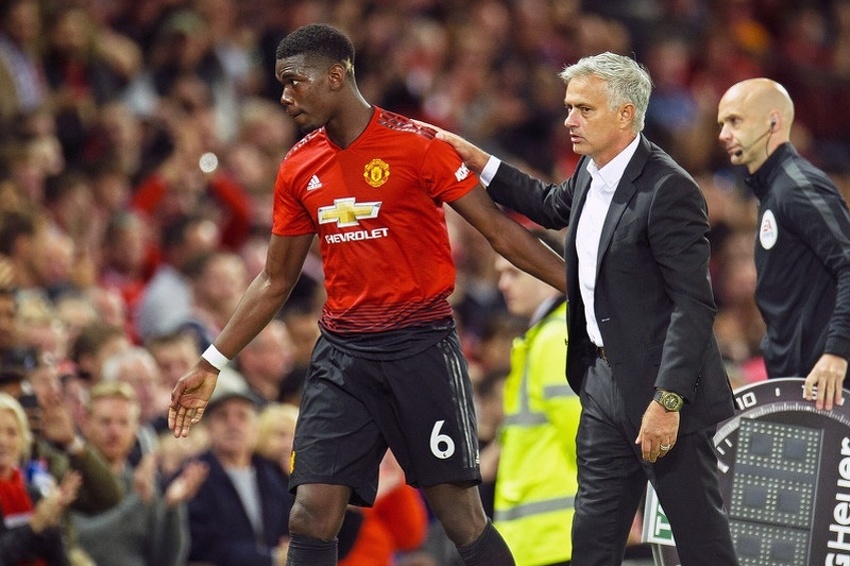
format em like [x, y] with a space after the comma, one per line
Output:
[314, 183]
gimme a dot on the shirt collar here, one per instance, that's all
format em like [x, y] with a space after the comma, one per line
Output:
[760, 180]
[613, 171]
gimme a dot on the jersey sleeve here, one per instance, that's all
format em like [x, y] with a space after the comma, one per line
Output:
[444, 173]
[289, 217]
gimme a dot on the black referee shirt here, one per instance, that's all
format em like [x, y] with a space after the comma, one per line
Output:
[802, 257]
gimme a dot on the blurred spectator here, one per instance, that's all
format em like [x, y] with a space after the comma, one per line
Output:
[536, 480]
[94, 344]
[58, 442]
[20, 69]
[75, 310]
[267, 361]
[240, 515]
[81, 74]
[31, 505]
[275, 431]
[57, 448]
[136, 367]
[69, 204]
[22, 242]
[234, 44]
[174, 453]
[265, 135]
[167, 300]
[24, 165]
[174, 353]
[147, 527]
[191, 181]
[40, 328]
[8, 327]
[124, 264]
[218, 279]
[114, 154]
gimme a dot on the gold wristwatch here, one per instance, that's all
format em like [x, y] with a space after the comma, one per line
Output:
[669, 400]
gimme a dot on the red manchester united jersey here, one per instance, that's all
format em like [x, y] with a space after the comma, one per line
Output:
[377, 209]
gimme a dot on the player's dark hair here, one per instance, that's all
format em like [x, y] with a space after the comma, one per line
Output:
[318, 39]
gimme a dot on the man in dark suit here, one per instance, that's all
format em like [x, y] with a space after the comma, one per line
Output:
[240, 514]
[642, 353]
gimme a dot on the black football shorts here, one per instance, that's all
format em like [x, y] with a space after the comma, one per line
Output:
[354, 408]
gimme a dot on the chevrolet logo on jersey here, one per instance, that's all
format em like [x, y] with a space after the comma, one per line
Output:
[346, 212]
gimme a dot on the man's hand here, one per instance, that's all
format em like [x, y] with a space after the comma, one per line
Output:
[144, 479]
[474, 157]
[50, 509]
[56, 422]
[658, 432]
[186, 485]
[190, 397]
[825, 382]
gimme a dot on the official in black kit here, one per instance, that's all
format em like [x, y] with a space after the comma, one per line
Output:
[802, 248]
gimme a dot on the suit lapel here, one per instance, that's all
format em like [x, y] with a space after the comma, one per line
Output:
[583, 180]
[622, 196]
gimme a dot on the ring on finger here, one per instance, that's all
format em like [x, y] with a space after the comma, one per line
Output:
[665, 447]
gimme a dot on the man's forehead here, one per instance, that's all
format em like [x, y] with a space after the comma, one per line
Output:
[298, 64]
[585, 86]
[734, 102]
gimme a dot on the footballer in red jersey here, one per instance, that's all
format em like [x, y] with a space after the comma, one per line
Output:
[387, 370]
[376, 206]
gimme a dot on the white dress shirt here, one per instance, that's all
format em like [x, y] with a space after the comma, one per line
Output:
[603, 183]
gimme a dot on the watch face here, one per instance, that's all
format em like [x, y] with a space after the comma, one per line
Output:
[784, 477]
[671, 402]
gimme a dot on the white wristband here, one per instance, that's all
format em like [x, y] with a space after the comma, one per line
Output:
[215, 358]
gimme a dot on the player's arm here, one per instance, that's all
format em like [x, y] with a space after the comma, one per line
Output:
[261, 301]
[510, 240]
[267, 292]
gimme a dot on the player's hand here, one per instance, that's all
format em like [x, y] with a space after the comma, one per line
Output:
[190, 397]
[824, 384]
[658, 432]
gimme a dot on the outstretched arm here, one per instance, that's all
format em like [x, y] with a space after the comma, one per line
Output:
[261, 301]
[510, 240]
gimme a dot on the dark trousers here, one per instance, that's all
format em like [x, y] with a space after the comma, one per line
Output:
[612, 476]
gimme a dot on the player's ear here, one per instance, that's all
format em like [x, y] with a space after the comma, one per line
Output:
[337, 76]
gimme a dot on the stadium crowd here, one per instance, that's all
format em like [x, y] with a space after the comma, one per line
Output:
[139, 143]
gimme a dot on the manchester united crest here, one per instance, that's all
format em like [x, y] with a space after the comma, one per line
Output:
[376, 172]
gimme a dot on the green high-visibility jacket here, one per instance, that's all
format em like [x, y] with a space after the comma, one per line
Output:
[536, 477]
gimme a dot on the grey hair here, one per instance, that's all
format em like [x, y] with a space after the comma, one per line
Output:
[627, 81]
[115, 365]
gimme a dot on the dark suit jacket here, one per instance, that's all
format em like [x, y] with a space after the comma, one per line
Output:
[653, 299]
[220, 529]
